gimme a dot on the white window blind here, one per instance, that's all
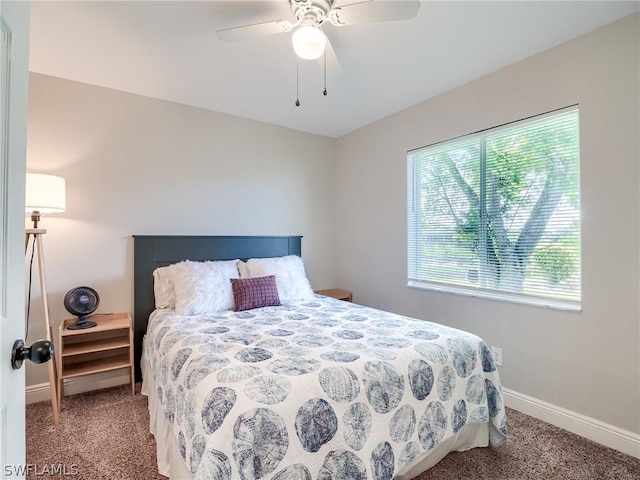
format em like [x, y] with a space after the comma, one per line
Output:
[497, 214]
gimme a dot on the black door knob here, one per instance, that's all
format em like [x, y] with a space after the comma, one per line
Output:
[40, 351]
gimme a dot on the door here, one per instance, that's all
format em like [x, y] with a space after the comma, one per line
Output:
[14, 22]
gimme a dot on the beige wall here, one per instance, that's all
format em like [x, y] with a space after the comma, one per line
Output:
[586, 362]
[136, 165]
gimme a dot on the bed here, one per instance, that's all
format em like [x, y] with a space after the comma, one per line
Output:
[312, 388]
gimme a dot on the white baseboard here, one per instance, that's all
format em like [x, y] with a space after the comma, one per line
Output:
[41, 392]
[600, 432]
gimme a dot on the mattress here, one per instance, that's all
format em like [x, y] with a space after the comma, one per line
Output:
[315, 389]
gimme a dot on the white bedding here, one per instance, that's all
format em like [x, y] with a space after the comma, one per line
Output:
[315, 389]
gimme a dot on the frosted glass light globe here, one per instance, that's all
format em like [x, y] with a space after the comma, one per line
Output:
[308, 42]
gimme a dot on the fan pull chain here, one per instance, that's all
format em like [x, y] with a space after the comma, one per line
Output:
[324, 92]
[297, 84]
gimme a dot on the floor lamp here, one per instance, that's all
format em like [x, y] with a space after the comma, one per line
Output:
[44, 194]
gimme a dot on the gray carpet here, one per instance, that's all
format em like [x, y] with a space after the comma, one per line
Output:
[105, 434]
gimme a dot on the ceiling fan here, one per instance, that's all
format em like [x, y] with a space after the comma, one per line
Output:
[309, 41]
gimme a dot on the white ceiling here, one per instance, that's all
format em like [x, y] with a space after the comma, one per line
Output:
[169, 50]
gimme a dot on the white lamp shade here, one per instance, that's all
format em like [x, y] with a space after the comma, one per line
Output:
[308, 42]
[45, 193]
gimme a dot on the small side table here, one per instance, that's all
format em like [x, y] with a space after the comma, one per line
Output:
[336, 293]
[107, 346]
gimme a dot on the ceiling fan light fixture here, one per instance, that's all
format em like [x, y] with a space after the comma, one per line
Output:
[308, 42]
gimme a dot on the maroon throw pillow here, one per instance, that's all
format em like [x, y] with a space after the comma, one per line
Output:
[255, 292]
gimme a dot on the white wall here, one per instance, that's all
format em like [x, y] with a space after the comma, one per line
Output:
[136, 165]
[586, 362]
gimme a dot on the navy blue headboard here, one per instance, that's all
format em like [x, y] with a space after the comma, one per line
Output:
[152, 251]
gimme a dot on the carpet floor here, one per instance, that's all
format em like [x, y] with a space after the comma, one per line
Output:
[104, 434]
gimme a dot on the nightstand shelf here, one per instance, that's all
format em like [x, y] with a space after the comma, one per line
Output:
[97, 366]
[105, 347]
[336, 293]
[94, 346]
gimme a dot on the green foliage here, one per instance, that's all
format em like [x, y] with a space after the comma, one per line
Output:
[556, 261]
[467, 232]
[509, 165]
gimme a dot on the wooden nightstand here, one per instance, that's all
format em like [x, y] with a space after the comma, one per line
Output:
[336, 293]
[107, 346]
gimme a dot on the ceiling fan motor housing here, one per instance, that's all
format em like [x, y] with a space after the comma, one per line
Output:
[313, 12]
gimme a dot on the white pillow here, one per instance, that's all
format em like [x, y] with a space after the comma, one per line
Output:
[203, 287]
[242, 269]
[290, 276]
[163, 290]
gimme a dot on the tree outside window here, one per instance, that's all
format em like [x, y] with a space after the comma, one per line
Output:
[499, 212]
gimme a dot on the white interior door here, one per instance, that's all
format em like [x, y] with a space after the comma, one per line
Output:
[13, 105]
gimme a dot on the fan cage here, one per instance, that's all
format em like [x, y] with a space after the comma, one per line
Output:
[81, 302]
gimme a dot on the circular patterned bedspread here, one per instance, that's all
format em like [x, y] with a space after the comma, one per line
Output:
[322, 389]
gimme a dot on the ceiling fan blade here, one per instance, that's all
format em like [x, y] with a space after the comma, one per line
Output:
[245, 32]
[377, 11]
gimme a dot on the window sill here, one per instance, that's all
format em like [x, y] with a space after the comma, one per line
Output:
[523, 300]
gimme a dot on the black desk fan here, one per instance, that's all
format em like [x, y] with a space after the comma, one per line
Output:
[81, 302]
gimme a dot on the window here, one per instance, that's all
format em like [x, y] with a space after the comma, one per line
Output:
[497, 213]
